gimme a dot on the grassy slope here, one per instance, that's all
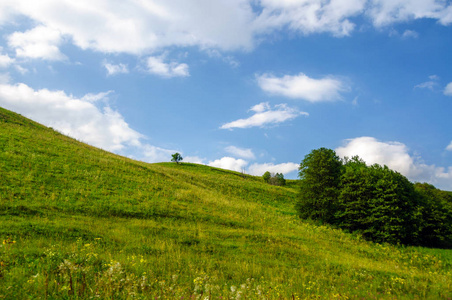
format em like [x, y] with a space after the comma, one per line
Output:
[76, 221]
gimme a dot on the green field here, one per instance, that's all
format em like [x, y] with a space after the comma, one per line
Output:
[77, 222]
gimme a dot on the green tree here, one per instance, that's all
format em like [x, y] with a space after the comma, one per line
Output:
[377, 202]
[176, 157]
[280, 179]
[266, 176]
[436, 214]
[320, 174]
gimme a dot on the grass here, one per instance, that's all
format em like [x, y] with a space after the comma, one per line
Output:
[77, 222]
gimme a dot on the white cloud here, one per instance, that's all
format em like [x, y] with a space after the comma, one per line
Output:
[395, 155]
[138, 26]
[264, 116]
[448, 89]
[386, 12]
[240, 152]
[303, 87]
[5, 61]
[429, 84]
[194, 160]
[142, 26]
[80, 119]
[410, 34]
[154, 154]
[229, 163]
[449, 147]
[309, 16]
[39, 42]
[260, 169]
[116, 69]
[156, 65]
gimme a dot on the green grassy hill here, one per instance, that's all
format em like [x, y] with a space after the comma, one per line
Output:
[77, 222]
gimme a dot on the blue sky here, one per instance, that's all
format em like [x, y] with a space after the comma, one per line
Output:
[247, 85]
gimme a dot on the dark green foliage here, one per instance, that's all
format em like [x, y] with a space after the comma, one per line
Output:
[176, 157]
[320, 174]
[266, 176]
[379, 203]
[436, 213]
[274, 179]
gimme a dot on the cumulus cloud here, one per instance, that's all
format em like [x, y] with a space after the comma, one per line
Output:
[396, 156]
[137, 26]
[80, 118]
[40, 42]
[229, 163]
[142, 26]
[265, 115]
[156, 65]
[303, 87]
[115, 69]
[240, 152]
[284, 168]
[448, 89]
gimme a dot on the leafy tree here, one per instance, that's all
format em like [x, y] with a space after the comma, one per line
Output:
[280, 179]
[378, 202]
[436, 214]
[266, 176]
[176, 157]
[320, 174]
[274, 179]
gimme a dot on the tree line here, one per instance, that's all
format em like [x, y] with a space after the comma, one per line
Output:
[375, 201]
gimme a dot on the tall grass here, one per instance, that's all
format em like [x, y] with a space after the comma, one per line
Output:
[77, 222]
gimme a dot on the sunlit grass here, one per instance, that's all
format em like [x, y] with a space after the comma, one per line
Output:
[78, 223]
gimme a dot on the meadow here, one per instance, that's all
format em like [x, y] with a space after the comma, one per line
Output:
[77, 222]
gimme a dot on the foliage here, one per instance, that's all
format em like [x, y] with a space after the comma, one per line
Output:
[379, 203]
[267, 175]
[176, 157]
[320, 174]
[436, 212]
[274, 179]
[77, 222]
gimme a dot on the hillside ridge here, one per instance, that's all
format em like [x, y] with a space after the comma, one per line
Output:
[78, 222]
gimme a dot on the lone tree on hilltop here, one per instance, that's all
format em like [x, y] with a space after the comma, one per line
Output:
[176, 157]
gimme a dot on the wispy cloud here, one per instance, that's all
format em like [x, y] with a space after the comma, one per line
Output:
[264, 115]
[430, 84]
[303, 87]
[115, 69]
[240, 152]
[156, 65]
